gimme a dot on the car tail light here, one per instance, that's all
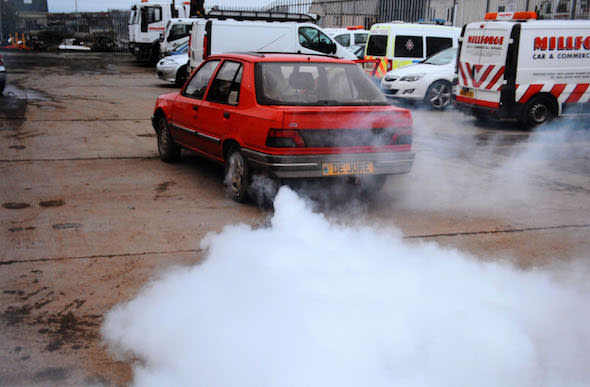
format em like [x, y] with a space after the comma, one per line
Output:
[402, 137]
[284, 138]
[205, 47]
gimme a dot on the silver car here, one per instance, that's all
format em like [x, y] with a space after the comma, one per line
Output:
[2, 75]
[173, 68]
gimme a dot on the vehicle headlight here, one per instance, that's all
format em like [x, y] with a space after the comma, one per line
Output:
[412, 77]
[390, 77]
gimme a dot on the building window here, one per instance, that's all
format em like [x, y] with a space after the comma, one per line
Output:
[27, 1]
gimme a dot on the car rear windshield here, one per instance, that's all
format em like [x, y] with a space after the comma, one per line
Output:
[315, 84]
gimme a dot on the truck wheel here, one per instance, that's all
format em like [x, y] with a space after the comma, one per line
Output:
[237, 177]
[181, 76]
[438, 95]
[537, 111]
[167, 149]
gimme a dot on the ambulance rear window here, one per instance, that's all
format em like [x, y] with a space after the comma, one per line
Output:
[377, 45]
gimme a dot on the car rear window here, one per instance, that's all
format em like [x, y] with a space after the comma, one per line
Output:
[315, 84]
[377, 45]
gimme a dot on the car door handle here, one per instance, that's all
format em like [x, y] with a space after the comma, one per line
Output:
[225, 114]
[195, 107]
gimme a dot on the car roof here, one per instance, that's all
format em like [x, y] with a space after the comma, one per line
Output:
[279, 57]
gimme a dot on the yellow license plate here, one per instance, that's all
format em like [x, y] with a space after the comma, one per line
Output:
[466, 93]
[348, 168]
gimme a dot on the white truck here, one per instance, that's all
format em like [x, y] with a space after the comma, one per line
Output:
[147, 22]
[260, 32]
[513, 66]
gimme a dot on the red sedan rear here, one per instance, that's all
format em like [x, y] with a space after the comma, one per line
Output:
[285, 116]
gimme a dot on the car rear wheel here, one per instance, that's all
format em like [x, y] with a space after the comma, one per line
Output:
[237, 177]
[537, 111]
[167, 149]
[438, 95]
[181, 76]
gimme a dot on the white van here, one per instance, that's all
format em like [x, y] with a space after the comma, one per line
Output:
[213, 36]
[349, 36]
[513, 66]
[394, 45]
[176, 34]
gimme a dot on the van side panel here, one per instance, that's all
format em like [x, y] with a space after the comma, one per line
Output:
[251, 37]
[556, 61]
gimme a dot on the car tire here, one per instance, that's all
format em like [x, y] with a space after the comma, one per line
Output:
[438, 95]
[168, 150]
[181, 76]
[537, 111]
[237, 175]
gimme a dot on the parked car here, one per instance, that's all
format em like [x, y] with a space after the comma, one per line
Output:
[429, 81]
[2, 75]
[173, 68]
[286, 116]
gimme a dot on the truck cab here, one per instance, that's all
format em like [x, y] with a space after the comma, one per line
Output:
[146, 24]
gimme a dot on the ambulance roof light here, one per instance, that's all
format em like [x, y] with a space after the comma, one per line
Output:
[355, 27]
[511, 15]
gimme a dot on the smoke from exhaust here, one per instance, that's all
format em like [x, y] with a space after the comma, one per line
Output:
[462, 168]
[306, 302]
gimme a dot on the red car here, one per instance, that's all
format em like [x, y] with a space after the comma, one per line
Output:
[285, 116]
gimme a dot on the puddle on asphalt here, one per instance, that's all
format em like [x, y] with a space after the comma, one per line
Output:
[12, 91]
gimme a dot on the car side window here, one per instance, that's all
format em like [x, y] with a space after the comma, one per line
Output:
[198, 84]
[225, 88]
[343, 39]
[313, 39]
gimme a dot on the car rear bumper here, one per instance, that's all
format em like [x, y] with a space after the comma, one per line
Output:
[304, 166]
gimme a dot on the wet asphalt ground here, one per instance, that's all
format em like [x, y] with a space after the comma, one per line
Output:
[88, 214]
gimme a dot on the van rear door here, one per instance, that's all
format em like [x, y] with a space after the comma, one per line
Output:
[482, 63]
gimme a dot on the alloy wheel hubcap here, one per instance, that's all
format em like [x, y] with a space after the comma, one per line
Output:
[539, 113]
[440, 96]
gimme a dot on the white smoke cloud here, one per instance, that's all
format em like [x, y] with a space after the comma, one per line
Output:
[306, 302]
[461, 168]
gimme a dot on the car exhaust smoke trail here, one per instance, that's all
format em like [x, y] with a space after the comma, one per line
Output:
[306, 302]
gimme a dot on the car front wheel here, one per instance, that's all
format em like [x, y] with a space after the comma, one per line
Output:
[438, 95]
[237, 175]
[167, 149]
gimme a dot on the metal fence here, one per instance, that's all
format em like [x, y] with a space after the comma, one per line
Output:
[332, 13]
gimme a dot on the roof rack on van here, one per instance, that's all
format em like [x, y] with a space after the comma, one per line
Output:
[262, 16]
